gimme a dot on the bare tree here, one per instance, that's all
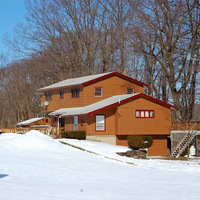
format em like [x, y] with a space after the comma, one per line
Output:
[175, 44]
[156, 42]
[121, 15]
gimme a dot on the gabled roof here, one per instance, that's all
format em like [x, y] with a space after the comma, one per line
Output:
[87, 80]
[106, 103]
[29, 121]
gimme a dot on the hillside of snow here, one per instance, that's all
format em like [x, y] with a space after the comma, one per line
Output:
[34, 166]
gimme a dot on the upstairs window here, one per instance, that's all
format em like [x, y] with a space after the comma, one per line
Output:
[61, 94]
[48, 96]
[151, 114]
[98, 92]
[129, 91]
[144, 113]
[75, 92]
[137, 113]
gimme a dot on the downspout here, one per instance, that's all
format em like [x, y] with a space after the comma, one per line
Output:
[58, 125]
[119, 115]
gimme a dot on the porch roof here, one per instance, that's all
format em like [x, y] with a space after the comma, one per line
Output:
[106, 103]
[86, 110]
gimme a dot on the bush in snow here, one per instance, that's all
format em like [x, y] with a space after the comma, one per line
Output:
[137, 142]
[80, 135]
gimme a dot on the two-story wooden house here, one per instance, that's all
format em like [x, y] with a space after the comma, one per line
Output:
[109, 107]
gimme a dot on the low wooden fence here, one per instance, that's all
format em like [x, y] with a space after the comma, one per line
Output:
[9, 130]
[51, 131]
[185, 125]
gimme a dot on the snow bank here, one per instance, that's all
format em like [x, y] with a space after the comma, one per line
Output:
[33, 140]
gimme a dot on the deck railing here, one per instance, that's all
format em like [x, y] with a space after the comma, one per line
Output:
[51, 131]
[186, 125]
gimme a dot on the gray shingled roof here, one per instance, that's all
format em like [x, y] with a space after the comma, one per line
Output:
[29, 121]
[93, 107]
[74, 81]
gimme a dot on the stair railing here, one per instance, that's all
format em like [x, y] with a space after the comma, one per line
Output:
[183, 144]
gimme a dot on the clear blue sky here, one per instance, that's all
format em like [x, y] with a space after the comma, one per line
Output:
[11, 13]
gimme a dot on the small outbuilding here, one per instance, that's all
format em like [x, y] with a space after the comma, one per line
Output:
[34, 122]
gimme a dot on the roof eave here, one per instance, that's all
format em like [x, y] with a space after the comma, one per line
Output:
[158, 101]
[118, 74]
[100, 109]
[122, 101]
[72, 115]
[133, 97]
[57, 88]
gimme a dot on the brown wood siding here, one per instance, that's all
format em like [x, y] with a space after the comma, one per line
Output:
[69, 123]
[111, 86]
[69, 126]
[116, 121]
[121, 140]
[130, 125]
[109, 122]
[57, 103]
[159, 147]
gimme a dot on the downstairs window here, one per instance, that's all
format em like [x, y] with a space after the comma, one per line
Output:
[100, 122]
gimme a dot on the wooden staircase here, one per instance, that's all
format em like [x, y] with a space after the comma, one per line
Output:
[181, 148]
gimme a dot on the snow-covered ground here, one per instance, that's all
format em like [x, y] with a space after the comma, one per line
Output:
[109, 151]
[35, 166]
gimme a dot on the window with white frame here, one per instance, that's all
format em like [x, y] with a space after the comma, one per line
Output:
[141, 113]
[137, 114]
[151, 113]
[75, 123]
[98, 92]
[144, 113]
[100, 123]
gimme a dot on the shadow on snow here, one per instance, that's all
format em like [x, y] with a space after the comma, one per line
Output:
[3, 175]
